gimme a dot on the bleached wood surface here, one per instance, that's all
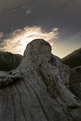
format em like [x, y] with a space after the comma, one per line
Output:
[38, 90]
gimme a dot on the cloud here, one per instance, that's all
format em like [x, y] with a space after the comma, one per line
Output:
[8, 4]
[1, 34]
[16, 42]
[28, 11]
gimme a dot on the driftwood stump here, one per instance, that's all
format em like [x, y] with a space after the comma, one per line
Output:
[38, 90]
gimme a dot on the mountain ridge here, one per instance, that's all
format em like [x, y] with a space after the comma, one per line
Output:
[73, 59]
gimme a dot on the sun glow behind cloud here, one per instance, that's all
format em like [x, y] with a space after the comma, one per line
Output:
[17, 41]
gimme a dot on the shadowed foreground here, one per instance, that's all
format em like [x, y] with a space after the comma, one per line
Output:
[39, 89]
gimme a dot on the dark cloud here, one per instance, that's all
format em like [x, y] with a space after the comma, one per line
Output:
[63, 14]
[9, 4]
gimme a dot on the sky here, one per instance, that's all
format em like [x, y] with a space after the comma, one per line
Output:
[56, 21]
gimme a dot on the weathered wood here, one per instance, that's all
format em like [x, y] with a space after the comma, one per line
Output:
[40, 89]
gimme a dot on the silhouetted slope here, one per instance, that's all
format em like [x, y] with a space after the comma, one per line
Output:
[73, 59]
[9, 61]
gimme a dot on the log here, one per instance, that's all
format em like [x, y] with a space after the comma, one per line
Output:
[39, 89]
